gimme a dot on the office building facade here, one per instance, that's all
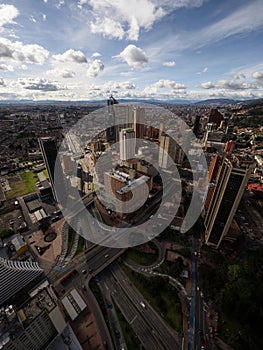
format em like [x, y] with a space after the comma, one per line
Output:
[16, 275]
[227, 194]
[127, 144]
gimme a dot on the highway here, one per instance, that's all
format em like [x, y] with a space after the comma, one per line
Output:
[115, 327]
[161, 329]
[133, 316]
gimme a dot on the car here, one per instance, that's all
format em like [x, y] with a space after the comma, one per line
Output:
[106, 256]
[208, 315]
[84, 271]
[84, 287]
[117, 333]
[142, 304]
[197, 288]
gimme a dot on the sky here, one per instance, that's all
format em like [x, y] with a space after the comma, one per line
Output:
[72, 50]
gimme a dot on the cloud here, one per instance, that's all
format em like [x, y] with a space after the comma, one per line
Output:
[59, 4]
[39, 84]
[164, 86]
[205, 70]
[133, 56]
[238, 76]
[32, 19]
[120, 85]
[130, 17]
[259, 78]
[44, 16]
[95, 68]
[2, 82]
[63, 73]
[108, 27]
[169, 64]
[257, 75]
[243, 20]
[21, 52]
[228, 85]
[6, 68]
[207, 85]
[96, 54]
[7, 14]
[71, 56]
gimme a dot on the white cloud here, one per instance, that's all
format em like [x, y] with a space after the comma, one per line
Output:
[32, 19]
[21, 52]
[243, 20]
[207, 85]
[95, 68]
[120, 85]
[130, 17]
[7, 14]
[71, 56]
[44, 16]
[205, 70]
[96, 54]
[6, 68]
[45, 1]
[40, 84]
[60, 3]
[169, 64]
[164, 86]
[63, 73]
[108, 27]
[238, 75]
[257, 75]
[228, 85]
[133, 56]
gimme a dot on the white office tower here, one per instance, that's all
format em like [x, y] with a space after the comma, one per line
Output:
[16, 275]
[127, 144]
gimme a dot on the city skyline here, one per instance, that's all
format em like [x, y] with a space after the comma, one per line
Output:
[86, 50]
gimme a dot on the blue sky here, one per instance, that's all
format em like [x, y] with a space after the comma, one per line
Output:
[169, 49]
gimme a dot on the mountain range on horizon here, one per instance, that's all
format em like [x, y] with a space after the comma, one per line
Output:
[219, 101]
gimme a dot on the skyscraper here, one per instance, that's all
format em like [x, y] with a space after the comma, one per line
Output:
[138, 125]
[166, 151]
[49, 151]
[16, 275]
[110, 132]
[127, 144]
[229, 189]
[123, 115]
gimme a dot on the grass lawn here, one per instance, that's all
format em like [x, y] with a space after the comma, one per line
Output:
[30, 179]
[22, 187]
[81, 245]
[45, 173]
[140, 258]
[166, 302]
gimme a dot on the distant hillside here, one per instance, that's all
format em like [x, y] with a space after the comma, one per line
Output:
[214, 102]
